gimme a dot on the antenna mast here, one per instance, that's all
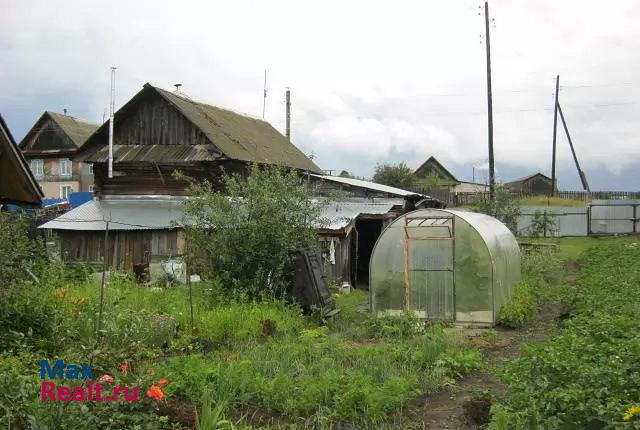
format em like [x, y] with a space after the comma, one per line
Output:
[492, 171]
[112, 109]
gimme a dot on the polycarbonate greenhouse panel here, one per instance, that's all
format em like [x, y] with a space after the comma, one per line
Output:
[460, 266]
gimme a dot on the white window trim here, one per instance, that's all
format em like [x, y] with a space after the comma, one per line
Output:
[35, 164]
[62, 187]
[90, 169]
[90, 188]
[66, 162]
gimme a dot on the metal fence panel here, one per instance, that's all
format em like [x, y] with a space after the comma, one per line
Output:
[569, 221]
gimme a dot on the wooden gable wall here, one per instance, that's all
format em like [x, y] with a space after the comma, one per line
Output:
[155, 122]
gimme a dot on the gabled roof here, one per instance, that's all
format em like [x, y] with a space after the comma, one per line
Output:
[434, 164]
[76, 130]
[236, 136]
[18, 184]
[526, 178]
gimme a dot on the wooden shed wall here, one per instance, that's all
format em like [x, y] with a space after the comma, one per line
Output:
[126, 248]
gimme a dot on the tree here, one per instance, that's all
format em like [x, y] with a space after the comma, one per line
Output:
[504, 207]
[345, 174]
[18, 250]
[396, 175]
[242, 236]
[432, 181]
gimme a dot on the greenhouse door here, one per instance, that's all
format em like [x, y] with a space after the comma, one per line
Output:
[429, 257]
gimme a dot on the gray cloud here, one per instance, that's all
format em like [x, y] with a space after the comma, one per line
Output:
[372, 81]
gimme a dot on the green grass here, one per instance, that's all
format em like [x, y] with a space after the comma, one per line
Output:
[551, 201]
[586, 376]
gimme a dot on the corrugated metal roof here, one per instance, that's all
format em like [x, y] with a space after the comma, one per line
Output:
[123, 214]
[359, 183]
[147, 213]
[339, 215]
[155, 153]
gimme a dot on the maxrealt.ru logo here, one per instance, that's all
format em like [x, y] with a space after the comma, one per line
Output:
[92, 392]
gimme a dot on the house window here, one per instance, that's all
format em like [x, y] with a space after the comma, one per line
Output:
[90, 188]
[37, 167]
[91, 170]
[65, 167]
[65, 191]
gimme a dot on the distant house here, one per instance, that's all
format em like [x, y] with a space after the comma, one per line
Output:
[18, 185]
[434, 167]
[50, 146]
[536, 184]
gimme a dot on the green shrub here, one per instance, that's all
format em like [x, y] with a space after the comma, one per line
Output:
[18, 250]
[520, 308]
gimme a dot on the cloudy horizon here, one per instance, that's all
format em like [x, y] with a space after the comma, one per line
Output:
[371, 82]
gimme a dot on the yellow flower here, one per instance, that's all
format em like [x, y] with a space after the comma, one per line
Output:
[60, 292]
[631, 413]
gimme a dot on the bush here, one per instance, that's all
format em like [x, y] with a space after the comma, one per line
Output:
[521, 307]
[18, 250]
[244, 234]
[504, 206]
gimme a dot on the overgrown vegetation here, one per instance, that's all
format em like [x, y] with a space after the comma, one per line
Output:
[587, 375]
[395, 175]
[18, 251]
[504, 206]
[242, 237]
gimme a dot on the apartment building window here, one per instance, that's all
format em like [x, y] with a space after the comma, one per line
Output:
[37, 167]
[91, 169]
[65, 191]
[65, 167]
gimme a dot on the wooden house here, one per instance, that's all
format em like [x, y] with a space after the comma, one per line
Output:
[432, 167]
[18, 185]
[536, 184]
[50, 146]
[158, 132]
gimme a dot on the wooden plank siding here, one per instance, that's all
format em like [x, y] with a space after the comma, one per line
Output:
[156, 122]
[126, 248]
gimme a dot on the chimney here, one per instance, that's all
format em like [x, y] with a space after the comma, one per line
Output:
[288, 127]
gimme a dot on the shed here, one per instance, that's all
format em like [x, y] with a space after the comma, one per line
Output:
[446, 265]
[536, 184]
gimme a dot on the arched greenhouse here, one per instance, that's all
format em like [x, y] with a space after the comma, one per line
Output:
[444, 264]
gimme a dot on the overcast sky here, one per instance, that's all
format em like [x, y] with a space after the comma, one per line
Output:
[371, 82]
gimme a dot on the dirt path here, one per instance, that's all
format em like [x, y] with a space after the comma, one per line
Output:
[465, 405]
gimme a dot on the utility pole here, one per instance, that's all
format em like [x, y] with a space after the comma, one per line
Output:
[555, 129]
[492, 176]
[583, 177]
[288, 127]
[264, 94]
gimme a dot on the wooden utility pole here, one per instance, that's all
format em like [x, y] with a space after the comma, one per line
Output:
[583, 177]
[555, 129]
[288, 127]
[492, 175]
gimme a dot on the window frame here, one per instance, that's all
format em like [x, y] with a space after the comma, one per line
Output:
[65, 162]
[62, 188]
[36, 163]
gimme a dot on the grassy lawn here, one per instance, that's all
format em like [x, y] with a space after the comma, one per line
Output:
[551, 201]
